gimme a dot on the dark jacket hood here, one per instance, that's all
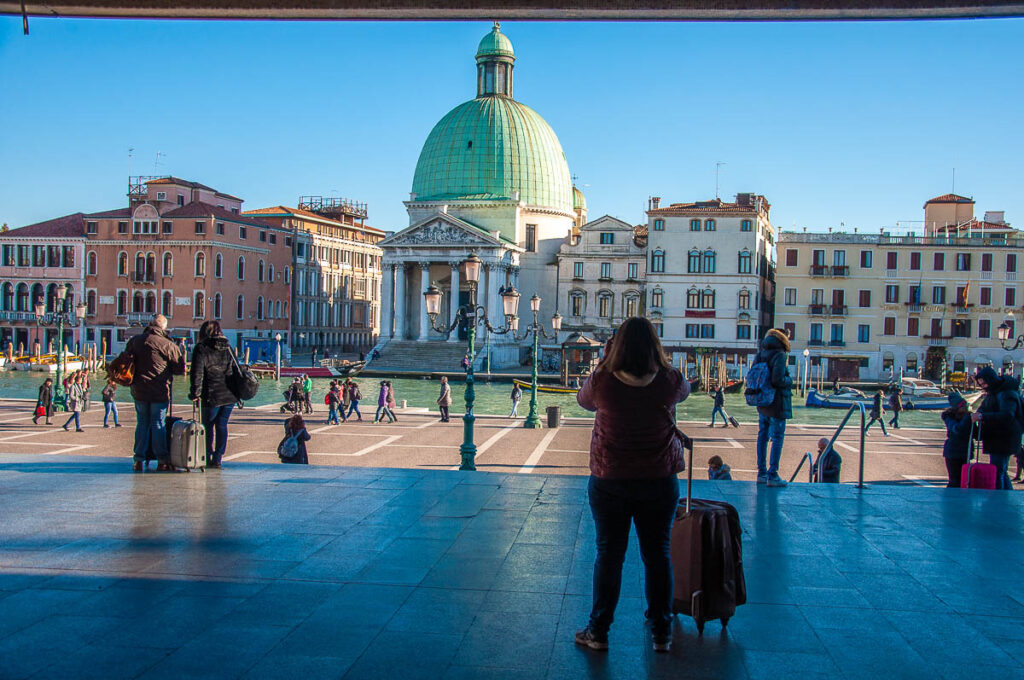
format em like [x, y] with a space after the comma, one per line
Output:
[1007, 383]
[218, 342]
[772, 343]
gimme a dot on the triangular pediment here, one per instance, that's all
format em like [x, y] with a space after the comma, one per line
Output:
[442, 229]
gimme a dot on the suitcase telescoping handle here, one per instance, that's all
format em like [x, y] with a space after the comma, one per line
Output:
[688, 445]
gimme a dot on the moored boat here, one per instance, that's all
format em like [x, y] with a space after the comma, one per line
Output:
[845, 400]
[550, 389]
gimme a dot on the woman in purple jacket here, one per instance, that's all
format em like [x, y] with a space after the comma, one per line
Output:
[635, 455]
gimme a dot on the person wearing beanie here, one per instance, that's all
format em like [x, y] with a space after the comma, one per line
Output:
[877, 413]
[771, 420]
[957, 419]
[1000, 419]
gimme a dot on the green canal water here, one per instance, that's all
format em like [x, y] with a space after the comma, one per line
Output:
[491, 398]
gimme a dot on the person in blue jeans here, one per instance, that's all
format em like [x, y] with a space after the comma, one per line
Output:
[354, 395]
[212, 367]
[719, 408]
[156, 360]
[1000, 421]
[109, 405]
[635, 454]
[771, 420]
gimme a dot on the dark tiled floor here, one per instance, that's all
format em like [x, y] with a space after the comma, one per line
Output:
[263, 571]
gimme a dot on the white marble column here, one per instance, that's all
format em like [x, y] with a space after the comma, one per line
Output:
[387, 300]
[486, 298]
[495, 280]
[454, 300]
[421, 301]
[400, 296]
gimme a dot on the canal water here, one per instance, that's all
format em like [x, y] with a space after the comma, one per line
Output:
[491, 398]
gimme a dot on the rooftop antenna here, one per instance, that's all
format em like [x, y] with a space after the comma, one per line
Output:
[131, 152]
[952, 189]
[718, 166]
[159, 155]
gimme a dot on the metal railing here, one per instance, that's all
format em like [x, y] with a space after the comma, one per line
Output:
[815, 469]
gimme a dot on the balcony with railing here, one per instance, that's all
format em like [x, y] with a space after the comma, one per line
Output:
[143, 277]
[819, 270]
[914, 307]
[960, 308]
[816, 310]
[840, 270]
[815, 342]
[837, 343]
[838, 310]
[939, 340]
[17, 316]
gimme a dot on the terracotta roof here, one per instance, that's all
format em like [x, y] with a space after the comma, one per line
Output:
[949, 198]
[283, 209]
[192, 185]
[712, 206]
[106, 214]
[640, 230]
[69, 226]
[204, 210]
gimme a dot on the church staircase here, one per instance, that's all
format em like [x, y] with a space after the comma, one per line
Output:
[425, 357]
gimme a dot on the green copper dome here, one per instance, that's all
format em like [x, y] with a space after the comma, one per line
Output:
[492, 147]
[495, 44]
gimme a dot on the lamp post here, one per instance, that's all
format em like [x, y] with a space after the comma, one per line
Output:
[533, 418]
[807, 369]
[59, 317]
[1003, 331]
[277, 358]
[472, 315]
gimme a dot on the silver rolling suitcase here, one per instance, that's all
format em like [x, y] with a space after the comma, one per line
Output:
[187, 443]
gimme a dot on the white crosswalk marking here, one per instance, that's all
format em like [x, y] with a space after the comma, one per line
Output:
[534, 458]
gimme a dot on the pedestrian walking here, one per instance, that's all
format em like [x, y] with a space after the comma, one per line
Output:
[957, 447]
[896, 406]
[771, 419]
[86, 390]
[635, 454]
[212, 367]
[75, 401]
[382, 404]
[391, 402]
[719, 408]
[718, 469]
[355, 395]
[333, 400]
[44, 402]
[307, 389]
[156, 359]
[465, 362]
[346, 399]
[109, 395]
[877, 413]
[1000, 419]
[294, 451]
[444, 401]
[835, 385]
[517, 396]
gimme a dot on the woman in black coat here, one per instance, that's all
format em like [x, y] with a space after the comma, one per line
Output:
[956, 449]
[212, 367]
[45, 401]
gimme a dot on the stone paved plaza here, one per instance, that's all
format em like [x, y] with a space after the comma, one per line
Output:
[276, 571]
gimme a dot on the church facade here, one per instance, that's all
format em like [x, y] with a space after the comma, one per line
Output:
[491, 180]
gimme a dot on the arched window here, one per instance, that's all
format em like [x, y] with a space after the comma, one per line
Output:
[216, 306]
[260, 271]
[51, 298]
[167, 304]
[709, 225]
[168, 268]
[744, 262]
[631, 305]
[150, 267]
[658, 261]
[240, 307]
[259, 308]
[709, 262]
[151, 302]
[122, 263]
[7, 297]
[200, 264]
[140, 266]
[277, 309]
[199, 305]
[744, 299]
[693, 299]
[241, 268]
[69, 299]
[287, 274]
[122, 302]
[138, 302]
[218, 266]
[577, 305]
[604, 305]
[695, 225]
[270, 272]
[707, 299]
[693, 262]
[90, 303]
[21, 300]
[90, 263]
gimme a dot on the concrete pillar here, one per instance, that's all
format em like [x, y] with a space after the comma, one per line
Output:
[387, 300]
[454, 300]
[400, 297]
[420, 301]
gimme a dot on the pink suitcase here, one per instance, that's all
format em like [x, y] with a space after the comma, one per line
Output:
[975, 475]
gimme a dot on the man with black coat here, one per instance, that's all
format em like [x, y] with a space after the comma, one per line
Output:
[212, 367]
[157, 359]
[999, 421]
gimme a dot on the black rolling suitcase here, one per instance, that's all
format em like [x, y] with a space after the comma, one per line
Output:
[707, 558]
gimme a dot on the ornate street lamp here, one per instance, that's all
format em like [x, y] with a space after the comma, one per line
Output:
[472, 315]
[59, 317]
[1003, 331]
[537, 329]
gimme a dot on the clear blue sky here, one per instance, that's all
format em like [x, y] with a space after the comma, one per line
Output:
[843, 122]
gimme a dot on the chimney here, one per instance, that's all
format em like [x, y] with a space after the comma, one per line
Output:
[655, 202]
[995, 216]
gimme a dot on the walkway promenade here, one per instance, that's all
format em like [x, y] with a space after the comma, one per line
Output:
[275, 571]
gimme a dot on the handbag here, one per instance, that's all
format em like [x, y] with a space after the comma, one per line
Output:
[122, 369]
[40, 411]
[242, 383]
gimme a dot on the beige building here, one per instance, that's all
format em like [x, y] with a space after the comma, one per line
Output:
[337, 272]
[873, 306]
[601, 276]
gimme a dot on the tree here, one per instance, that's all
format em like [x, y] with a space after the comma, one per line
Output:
[4, 228]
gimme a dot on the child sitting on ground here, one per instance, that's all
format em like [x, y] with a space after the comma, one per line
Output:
[829, 463]
[718, 470]
[292, 448]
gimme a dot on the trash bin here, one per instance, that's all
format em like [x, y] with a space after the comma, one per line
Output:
[554, 416]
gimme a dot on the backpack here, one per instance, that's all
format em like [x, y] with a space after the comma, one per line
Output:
[289, 447]
[759, 390]
[327, 399]
[354, 394]
[122, 369]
